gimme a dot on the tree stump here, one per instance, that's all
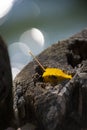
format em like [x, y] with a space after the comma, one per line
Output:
[63, 105]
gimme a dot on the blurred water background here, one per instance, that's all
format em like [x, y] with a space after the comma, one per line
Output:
[36, 24]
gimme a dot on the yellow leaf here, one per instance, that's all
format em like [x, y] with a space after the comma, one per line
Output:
[54, 75]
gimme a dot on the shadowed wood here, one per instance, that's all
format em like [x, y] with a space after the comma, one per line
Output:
[6, 100]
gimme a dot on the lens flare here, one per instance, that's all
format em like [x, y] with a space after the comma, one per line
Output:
[19, 57]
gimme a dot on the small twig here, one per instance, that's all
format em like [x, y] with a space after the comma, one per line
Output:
[36, 60]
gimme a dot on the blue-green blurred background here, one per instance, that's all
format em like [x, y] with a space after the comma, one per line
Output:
[56, 19]
[59, 19]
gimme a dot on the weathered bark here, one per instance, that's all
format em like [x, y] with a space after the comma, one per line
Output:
[60, 106]
[6, 100]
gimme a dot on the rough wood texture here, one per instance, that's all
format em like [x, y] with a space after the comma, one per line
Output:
[6, 101]
[55, 107]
